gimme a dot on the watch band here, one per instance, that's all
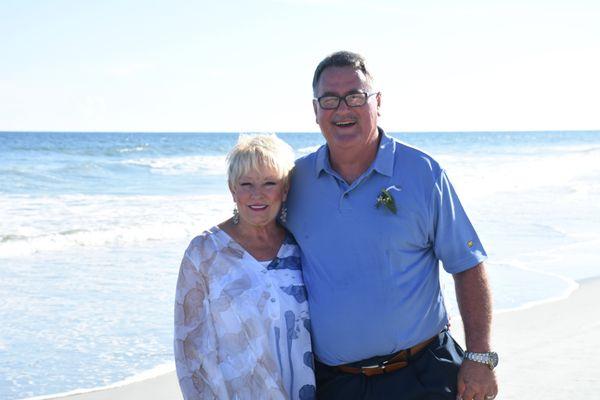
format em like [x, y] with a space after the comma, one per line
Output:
[490, 358]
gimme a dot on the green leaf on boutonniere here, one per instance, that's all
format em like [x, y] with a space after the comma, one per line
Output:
[386, 199]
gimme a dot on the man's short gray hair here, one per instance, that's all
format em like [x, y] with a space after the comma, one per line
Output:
[341, 59]
[254, 151]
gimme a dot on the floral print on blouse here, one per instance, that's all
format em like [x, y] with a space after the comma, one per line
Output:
[242, 330]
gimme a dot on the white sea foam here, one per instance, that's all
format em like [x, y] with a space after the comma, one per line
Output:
[572, 286]
[32, 225]
[560, 150]
[572, 262]
[133, 149]
[486, 176]
[307, 150]
[207, 165]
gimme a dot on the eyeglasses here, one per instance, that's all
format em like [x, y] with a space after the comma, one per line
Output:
[329, 102]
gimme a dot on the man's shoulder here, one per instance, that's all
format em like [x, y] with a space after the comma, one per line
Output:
[409, 156]
[308, 161]
[310, 157]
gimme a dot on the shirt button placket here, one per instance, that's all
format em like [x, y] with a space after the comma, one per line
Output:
[344, 205]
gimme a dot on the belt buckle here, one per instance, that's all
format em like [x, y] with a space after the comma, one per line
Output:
[380, 366]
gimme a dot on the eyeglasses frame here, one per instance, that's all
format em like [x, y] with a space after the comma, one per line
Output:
[340, 98]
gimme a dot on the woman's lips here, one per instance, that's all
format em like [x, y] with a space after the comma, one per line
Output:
[257, 207]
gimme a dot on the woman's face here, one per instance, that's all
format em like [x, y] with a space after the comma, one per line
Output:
[258, 195]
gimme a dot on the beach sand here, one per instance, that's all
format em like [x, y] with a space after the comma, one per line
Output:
[548, 351]
[163, 387]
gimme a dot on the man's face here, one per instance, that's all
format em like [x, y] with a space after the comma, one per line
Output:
[346, 127]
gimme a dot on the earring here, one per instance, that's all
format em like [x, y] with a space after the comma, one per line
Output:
[236, 216]
[283, 214]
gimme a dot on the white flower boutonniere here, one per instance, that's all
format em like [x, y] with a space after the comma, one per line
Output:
[386, 199]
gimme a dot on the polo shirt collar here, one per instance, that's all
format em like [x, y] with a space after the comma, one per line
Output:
[384, 160]
[383, 163]
[322, 162]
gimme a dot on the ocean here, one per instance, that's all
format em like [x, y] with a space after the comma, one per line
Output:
[93, 227]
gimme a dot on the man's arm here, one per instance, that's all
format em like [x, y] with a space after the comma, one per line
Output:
[475, 380]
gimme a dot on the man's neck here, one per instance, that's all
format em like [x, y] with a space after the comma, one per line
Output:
[352, 164]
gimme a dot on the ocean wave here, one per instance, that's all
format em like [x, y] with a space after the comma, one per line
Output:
[207, 165]
[135, 149]
[544, 286]
[558, 150]
[8, 238]
[119, 236]
[483, 176]
[307, 150]
[47, 224]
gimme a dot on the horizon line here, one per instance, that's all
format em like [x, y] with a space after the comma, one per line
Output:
[307, 132]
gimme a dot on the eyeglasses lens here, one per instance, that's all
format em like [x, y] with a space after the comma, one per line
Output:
[352, 100]
[356, 99]
[329, 102]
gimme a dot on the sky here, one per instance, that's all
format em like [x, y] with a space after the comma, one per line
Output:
[247, 66]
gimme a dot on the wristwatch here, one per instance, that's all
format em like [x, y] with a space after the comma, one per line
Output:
[490, 359]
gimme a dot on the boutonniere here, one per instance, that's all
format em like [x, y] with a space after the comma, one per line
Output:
[386, 199]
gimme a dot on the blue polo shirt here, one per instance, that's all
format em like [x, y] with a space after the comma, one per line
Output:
[372, 275]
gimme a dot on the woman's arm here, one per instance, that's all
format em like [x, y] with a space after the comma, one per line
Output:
[196, 359]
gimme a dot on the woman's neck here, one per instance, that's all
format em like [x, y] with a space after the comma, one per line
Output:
[262, 242]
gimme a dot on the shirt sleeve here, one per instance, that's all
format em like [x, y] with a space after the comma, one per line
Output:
[195, 346]
[455, 241]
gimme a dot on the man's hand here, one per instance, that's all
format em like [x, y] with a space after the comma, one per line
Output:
[476, 381]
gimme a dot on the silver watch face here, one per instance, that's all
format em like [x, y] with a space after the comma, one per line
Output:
[493, 359]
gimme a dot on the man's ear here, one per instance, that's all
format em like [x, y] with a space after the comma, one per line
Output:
[315, 109]
[378, 97]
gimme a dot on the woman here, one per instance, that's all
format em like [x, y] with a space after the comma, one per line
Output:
[242, 329]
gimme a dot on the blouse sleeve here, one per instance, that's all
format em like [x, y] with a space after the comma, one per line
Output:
[195, 344]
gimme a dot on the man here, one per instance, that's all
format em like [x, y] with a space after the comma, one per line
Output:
[374, 217]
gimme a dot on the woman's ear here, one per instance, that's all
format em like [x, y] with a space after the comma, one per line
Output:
[286, 189]
[232, 191]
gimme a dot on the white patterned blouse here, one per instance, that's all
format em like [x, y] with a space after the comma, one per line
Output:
[242, 330]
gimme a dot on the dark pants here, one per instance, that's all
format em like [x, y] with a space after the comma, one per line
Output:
[431, 374]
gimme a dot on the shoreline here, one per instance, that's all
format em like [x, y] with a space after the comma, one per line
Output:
[547, 350]
[153, 373]
[550, 351]
[160, 387]
[574, 285]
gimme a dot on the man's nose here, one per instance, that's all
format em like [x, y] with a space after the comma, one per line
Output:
[343, 107]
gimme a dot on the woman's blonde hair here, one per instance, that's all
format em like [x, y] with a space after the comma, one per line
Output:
[254, 151]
